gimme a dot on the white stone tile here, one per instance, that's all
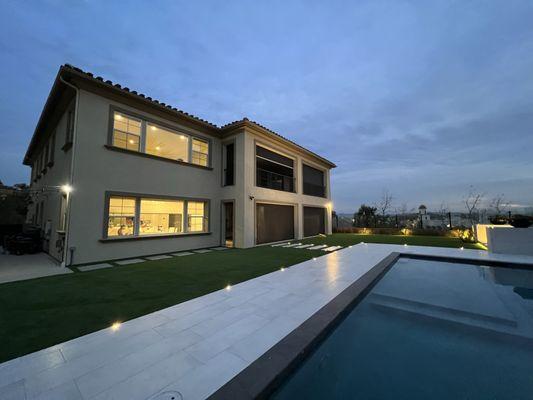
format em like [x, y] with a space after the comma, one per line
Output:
[220, 321]
[160, 257]
[13, 391]
[150, 380]
[53, 377]
[183, 253]
[203, 381]
[220, 248]
[94, 267]
[253, 346]
[320, 246]
[208, 348]
[28, 365]
[66, 391]
[304, 246]
[123, 368]
[291, 245]
[201, 251]
[130, 261]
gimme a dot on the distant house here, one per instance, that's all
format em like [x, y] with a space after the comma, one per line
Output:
[118, 174]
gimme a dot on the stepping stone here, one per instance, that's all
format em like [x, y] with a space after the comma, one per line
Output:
[130, 261]
[279, 244]
[304, 246]
[94, 266]
[320, 246]
[292, 245]
[219, 248]
[201, 251]
[183, 253]
[332, 248]
[155, 258]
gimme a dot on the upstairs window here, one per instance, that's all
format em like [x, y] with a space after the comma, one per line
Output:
[134, 134]
[200, 152]
[314, 183]
[126, 132]
[51, 150]
[273, 170]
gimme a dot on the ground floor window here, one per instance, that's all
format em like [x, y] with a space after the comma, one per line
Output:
[144, 216]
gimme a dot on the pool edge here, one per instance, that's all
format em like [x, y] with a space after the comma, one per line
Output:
[261, 378]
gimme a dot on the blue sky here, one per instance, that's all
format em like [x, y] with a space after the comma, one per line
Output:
[419, 98]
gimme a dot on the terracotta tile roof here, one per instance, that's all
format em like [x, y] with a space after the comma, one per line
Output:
[127, 91]
[270, 131]
[140, 95]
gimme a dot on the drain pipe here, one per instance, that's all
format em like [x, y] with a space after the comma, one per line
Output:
[66, 250]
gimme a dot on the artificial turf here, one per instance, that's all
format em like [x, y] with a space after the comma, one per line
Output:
[38, 313]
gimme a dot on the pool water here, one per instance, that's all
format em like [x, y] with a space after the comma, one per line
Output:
[428, 330]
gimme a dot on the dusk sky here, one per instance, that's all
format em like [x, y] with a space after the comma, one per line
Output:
[422, 98]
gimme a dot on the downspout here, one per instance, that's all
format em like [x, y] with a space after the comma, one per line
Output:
[66, 251]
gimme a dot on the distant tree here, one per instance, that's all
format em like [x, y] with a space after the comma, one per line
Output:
[499, 204]
[444, 209]
[472, 200]
[364, 215]
[385, 203]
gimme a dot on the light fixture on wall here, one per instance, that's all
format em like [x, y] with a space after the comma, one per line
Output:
[251, 197]
[66, 188]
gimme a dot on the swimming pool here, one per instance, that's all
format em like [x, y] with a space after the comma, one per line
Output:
[428, 329]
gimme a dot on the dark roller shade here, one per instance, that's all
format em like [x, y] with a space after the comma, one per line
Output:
[274, 223]
[314, 221]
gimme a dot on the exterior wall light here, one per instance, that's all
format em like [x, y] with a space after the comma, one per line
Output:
[66, 189]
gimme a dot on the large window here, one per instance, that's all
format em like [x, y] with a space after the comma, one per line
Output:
[121, 216]
[313, 181]
[135, 134]
[166, 143]
[126, 132]
[144, 216]
[161, 216]
[273, 170]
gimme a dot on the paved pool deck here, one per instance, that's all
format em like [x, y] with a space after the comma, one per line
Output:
[197, 346]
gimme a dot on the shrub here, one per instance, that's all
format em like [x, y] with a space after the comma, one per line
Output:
[521, 221]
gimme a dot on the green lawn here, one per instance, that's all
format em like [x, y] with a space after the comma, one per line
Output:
[38, 313]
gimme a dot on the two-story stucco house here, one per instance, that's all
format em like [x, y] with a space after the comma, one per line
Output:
[117, 174]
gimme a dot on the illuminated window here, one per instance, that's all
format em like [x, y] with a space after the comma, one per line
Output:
[161, 216]
[121, 216]
[200, 152]
[126, 132]
[196, 220]
[166, 143]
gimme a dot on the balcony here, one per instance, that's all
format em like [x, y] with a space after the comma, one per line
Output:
[312, 189]
[272, 180]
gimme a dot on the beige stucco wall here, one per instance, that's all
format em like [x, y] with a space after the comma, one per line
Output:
[46, 189]
[263, 195]
[98, 169]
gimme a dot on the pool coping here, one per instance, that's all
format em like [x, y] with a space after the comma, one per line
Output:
[266, 374]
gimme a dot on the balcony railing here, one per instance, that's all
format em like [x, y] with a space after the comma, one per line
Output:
[271, 180]
[312, 189]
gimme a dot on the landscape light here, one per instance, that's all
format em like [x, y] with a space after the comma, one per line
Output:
[116, 326]
[228, 287]
[66, 188]
[282, 269]
[461, 248]
[405, 244]
[314, 258]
